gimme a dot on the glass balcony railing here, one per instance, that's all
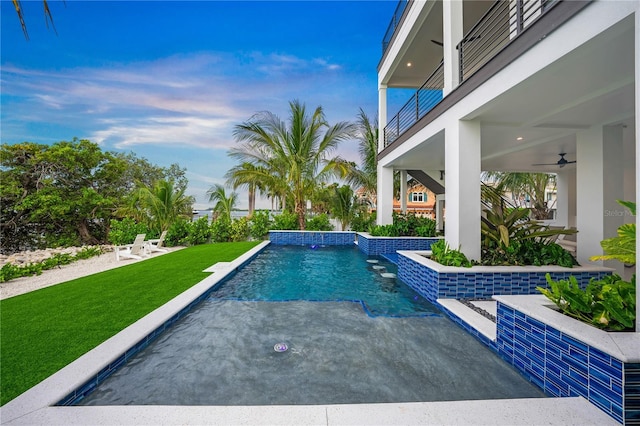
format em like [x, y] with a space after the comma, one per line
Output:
[393, 25]
[504, 21]
[423, 101]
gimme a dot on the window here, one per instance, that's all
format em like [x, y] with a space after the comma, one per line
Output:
[418, 197]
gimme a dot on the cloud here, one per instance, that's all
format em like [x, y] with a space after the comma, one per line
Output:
[190, 99]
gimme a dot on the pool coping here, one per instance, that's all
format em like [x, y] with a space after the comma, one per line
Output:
[35, 406]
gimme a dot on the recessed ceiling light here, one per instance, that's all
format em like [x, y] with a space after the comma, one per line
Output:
[519, 138]
[409, 64]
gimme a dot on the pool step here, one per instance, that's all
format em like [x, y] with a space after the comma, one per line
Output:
[474, 319]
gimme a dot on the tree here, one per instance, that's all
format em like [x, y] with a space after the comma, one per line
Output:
[67, 193]
[60, 194]
[366, 176]
[529, 186]
[298, 151]
[47, 16]
[249, 176]
[344, 205]
[224, 204]
[163, 204]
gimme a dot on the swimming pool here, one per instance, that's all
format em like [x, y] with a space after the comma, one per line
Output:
[316, 273]
[222, 351]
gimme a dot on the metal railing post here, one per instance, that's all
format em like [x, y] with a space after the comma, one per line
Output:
[519, 16]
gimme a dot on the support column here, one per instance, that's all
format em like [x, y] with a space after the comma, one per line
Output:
[613, 185]
[440, 206]
[462, 183]
[382, 114]
[403, 191]
[384, 215]
[452, 34]
[562, 198]
[589, 193]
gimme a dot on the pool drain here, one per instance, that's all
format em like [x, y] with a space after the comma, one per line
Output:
[280, 347]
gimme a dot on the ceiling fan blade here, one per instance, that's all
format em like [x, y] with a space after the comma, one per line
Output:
[439, 43]
[545, 164]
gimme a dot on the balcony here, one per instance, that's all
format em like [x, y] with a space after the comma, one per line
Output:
[496, 28]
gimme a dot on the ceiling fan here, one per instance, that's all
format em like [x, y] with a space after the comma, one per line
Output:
[560, 163]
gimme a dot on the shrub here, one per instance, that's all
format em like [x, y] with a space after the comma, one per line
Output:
[178, 233]
[221, 230]
[363, 221]
[443, 254]
[259, 225]
[285, 221]
[608, 303]
[10, 271]
[124, 231]
[319, 222]
[408, 225]
[239, 229]
[390, 230]
[199, 231]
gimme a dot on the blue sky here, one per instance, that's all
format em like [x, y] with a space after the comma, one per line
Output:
[170, 80]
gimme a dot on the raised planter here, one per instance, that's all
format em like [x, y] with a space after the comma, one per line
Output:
[302, 238]
[372, 246]
[566, 357]
[435, 281]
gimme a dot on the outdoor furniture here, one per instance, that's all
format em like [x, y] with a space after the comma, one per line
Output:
[157, 244]
[132, 251]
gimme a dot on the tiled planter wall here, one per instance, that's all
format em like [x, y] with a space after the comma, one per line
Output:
[564, 366]
[380, 245]
[476, 282]
[302, 238]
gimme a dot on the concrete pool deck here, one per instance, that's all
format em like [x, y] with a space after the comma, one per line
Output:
[547, 411]
[35, 406]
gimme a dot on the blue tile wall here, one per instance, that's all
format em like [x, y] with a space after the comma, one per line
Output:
[302, 238]
[459, 285]
[380, 245]
[563, 366]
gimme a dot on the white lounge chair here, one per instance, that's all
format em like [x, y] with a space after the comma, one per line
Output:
[157, 244]
[132, 251]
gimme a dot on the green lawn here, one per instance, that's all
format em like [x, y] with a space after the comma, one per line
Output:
[42, 331]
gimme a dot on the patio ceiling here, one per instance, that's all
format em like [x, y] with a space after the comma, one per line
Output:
[591, 86]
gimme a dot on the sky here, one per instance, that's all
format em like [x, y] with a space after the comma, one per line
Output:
[170, 80]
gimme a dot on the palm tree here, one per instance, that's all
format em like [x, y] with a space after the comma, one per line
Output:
[246, 175]
[224, 204]
[163, 204]
[297, 152]
[533, 186]
[47, 16]
[366, 177]
[344, 205]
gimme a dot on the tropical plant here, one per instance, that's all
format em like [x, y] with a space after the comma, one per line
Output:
[240, 229]
[178, 233]
[300, 150]
[163, 204]
[319, 222]
[608, 303]
[224, 203]
[622, 247]
[285, 221]
[509, 237]
[406, 225]
[124, 231]
[528, 186]
[443, 254]
[363, 221]
[365, 177]
[259, 225]
[48, 17]
[344, 205]
[199, 231]
[249, 176]
[221, 230]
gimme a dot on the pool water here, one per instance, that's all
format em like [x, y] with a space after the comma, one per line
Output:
[317, 273]
[225, 351]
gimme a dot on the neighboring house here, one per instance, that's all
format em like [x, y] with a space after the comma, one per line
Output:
[510, 86]
[419, 200]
